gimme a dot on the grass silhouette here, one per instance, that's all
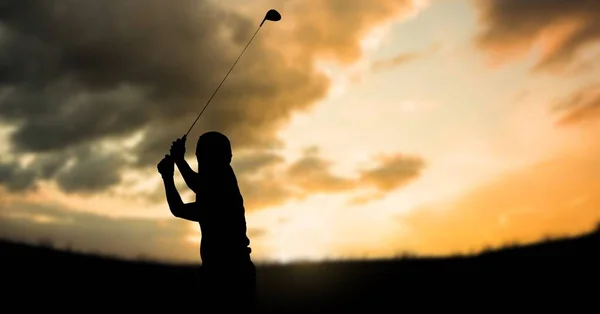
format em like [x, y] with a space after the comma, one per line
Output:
[543, 276]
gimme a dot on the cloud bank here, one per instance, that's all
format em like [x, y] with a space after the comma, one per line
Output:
[80, 77]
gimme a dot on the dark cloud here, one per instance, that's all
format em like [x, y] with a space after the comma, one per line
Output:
[90, 172]
[393, 172]
[82, 169]
[564, 27]
[108, 68]
[79, 73]
[255, 162]
[582, 106]
[266, 191]
[15, 177]
[49, 164]
[61, 115]
[312, 174]
[279, 185]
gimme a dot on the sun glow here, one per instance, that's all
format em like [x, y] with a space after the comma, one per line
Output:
[307, 231]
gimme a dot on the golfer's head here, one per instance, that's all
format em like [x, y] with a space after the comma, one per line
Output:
[213, 149]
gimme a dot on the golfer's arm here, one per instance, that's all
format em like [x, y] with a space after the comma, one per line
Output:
[176, 205]
[189, 176]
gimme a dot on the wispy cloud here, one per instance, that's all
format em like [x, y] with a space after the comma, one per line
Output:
[583, 106]
[561, 28]
[403, 58]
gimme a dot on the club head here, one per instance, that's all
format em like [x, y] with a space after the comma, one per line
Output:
[272, 15]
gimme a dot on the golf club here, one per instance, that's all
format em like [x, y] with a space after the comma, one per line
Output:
[272, 15]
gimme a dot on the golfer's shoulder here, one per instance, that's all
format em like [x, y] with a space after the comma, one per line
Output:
[228, 181]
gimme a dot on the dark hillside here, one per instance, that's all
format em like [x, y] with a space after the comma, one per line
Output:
[544, 276]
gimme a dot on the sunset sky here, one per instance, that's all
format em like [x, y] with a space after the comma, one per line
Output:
[360, 129]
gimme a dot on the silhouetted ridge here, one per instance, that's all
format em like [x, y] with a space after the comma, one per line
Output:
[539, 276]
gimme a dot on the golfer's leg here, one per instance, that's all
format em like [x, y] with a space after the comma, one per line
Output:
[246, 292]
[208, 291]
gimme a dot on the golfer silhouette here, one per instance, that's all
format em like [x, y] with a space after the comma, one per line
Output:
[227, 275]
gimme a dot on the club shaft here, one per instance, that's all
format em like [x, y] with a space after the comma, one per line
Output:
[224, 78]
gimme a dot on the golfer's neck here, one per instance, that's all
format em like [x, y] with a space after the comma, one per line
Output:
[212, 167]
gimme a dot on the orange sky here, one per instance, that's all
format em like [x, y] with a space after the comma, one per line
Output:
[360, 129]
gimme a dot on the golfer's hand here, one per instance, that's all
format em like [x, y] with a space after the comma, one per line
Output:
[166, 167]
[178, 149]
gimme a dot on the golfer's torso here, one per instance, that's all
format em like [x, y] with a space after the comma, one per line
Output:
[222, 220]
[223, 234]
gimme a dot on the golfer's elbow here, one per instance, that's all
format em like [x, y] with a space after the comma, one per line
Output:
[176, 209]
[192, 183]
[185, 211]
[178, 214]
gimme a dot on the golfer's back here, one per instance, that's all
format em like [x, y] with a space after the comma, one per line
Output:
[222, 220]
